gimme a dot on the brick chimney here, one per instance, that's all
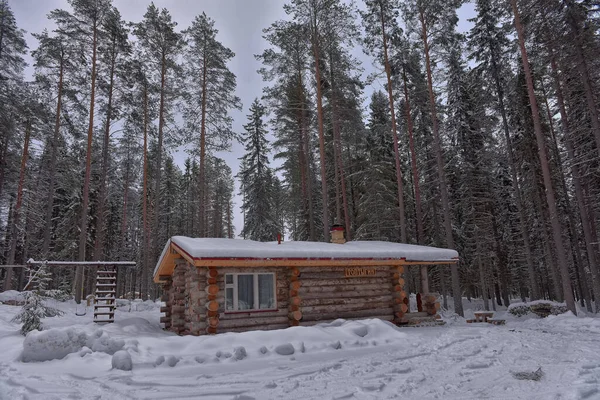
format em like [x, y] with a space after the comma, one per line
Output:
[337, 234]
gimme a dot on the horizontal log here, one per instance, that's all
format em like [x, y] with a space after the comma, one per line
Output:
[211, 330]
[343, 300]
[212, 306]
[212, 273]
[251, 322]
[404, 308]
[295, 285]
[295, 315]
[346, 295]
[293, 293]
[212, 314]
[283, 311]
[384, 281]
[177, 309]
[401, 282]
[267, 327]
[295, 272]
[295, 300]
[164, 320]
[212, 281]
[349, 314]
[398, 288]
[212, 290]
[344, 288]
[294, 307]
[178, 296]
[213, 322]
[339, 274]
[165, 309]
[332, 309]
[400, 269]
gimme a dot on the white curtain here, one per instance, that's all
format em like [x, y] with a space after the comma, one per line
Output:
[245, 292]
[266, 298]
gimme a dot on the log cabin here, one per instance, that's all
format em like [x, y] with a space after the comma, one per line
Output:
[213, 285]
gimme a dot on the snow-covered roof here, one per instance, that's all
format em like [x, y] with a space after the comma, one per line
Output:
[215, 248]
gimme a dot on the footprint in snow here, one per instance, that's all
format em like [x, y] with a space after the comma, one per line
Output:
[479, 364]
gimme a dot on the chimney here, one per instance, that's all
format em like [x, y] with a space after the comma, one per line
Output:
[337, 234]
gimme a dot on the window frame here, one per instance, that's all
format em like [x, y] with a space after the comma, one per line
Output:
[235, 299]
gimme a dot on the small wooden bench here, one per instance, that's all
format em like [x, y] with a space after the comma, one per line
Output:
[483, 316]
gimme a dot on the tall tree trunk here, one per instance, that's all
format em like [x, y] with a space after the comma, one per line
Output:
[325, 194]
[86, 180]
[414, 166]
[534, 288]
[202, 165]
[146, 250]
[568, 210]
[576, 175]
[549, 189]
[307, 161]
[100, 231]
[339, 161]
[399, 183]
[52, 167]
[10, 260]
[582, 67]
[458, 307]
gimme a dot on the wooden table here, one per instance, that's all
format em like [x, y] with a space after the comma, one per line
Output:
[482, 316]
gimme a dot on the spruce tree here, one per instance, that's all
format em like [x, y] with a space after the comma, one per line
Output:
[257, 180]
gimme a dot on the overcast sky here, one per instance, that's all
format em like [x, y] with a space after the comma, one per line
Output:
[240, 24]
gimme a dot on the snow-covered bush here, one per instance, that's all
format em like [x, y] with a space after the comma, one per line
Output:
[32, 313]
[541, 308]
[58, 343]
[519, 309]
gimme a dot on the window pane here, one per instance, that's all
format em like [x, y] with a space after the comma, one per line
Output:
[245, 292]
[229, 299]
[266, 292]
[228, 279]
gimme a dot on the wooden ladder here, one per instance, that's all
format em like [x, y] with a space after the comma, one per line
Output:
[105, 300]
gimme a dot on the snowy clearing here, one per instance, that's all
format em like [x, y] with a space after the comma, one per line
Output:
[369, 359]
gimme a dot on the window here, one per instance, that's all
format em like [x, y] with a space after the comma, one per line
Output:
[250, 292]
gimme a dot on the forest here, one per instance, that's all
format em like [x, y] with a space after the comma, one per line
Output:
[486, 141]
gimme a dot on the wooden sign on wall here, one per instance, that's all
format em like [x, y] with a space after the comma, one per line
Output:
[359, 271]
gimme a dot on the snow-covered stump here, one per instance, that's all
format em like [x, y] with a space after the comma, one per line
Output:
[401, 301]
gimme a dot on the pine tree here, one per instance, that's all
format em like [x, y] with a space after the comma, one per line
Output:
[286, 65]
[160, 46]
[210, 96]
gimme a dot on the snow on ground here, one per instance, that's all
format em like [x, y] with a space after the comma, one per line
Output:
[368, 359]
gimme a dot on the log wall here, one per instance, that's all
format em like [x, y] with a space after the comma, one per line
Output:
[240, 321]
[195, 298]
[327, 294]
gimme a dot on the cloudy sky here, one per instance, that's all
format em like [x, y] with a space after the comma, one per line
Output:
[240, 24]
